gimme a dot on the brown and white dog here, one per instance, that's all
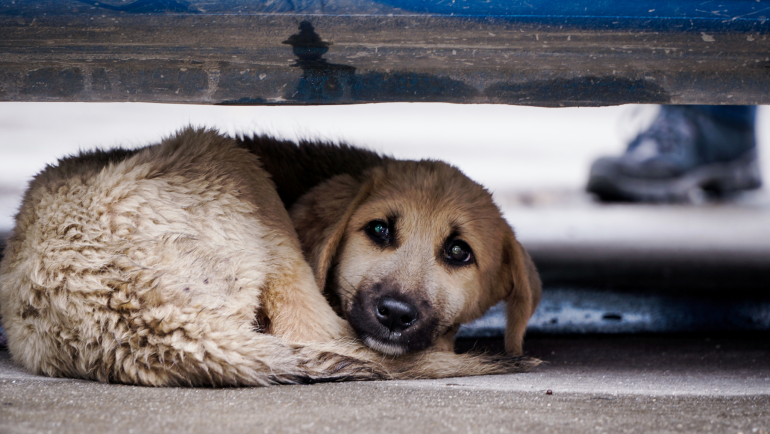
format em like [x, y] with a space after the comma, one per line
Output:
[178, 264]
[406, 251]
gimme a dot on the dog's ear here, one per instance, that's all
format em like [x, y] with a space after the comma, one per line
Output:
[524, 295]
[321, 215]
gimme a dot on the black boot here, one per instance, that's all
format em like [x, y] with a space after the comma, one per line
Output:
[687, 149]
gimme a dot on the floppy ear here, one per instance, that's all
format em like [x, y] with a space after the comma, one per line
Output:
[321, 215]
[524, 296]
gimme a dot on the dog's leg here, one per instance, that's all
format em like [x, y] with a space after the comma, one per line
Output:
[297, 310]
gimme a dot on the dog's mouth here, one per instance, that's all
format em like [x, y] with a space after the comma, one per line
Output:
[392, 324]
[391, 349]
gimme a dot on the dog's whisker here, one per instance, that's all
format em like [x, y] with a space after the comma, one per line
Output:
[351, 291]
[347, 281]
[346, 291]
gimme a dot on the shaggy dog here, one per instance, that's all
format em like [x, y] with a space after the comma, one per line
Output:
[178, 264]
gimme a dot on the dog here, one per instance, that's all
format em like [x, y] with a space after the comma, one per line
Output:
[179, 264]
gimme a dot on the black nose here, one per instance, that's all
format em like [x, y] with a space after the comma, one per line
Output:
[394, 314]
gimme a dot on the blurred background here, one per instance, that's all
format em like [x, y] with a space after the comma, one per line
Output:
[657, 260]
[517, 152]
[534, 160]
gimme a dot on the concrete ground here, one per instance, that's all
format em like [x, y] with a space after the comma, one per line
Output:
[609, 383]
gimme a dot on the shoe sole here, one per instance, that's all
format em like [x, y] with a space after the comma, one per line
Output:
[721, 178]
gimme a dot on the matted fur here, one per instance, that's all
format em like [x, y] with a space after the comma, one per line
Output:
[177, 264]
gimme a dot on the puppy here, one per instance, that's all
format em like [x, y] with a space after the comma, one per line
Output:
[178, 264]
[405, 251]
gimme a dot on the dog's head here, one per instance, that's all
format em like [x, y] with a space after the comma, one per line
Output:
[411, 250]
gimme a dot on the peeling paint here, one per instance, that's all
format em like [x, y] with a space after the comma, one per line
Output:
[583, 91]
[53, 82]
[146, 6]
[221, 55]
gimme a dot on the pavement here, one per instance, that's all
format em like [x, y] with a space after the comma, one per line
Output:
[589, 383]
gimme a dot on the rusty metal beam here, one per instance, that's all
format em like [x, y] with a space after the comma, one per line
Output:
[548, 53]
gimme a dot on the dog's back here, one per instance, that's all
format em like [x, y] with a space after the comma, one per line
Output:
[149, 267]
[297, 167]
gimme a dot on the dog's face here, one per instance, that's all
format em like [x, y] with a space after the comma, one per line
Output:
[414, 250]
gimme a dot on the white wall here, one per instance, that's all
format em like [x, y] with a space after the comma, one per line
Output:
[506, 148]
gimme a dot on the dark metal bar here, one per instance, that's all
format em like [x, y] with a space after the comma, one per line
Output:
[555, 53]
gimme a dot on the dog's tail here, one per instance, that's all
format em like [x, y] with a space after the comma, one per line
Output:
[270, 360]
[234, 358]
[255, 359]
[215, 359]
[442, 364]
[262, 360]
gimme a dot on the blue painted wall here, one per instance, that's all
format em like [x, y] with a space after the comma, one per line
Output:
[718, 14]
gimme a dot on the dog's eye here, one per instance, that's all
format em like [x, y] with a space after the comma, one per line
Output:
[458, 252]
[379, 232]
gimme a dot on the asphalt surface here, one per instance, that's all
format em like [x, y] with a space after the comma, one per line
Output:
[598, 383]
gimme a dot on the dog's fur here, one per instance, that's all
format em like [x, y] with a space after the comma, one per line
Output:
[178, 264]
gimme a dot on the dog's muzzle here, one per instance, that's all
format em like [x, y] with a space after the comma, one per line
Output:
[392, 324]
